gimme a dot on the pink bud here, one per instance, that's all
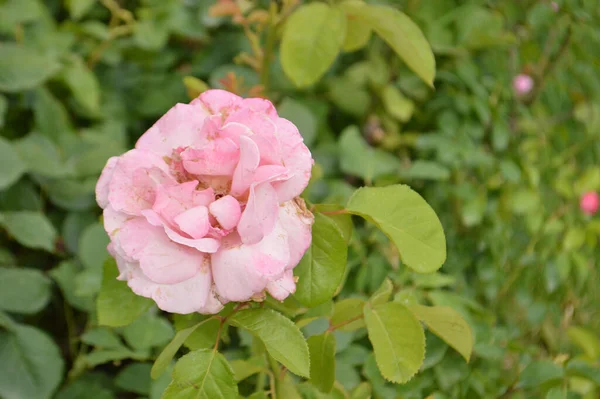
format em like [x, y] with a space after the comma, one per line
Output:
[522, 84]
[554, 6]
[590, 202]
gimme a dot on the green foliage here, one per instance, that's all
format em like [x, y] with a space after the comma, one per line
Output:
[23, 290]
[408, 220]
[322, 361]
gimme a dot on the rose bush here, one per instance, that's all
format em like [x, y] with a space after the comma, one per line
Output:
[206, 209]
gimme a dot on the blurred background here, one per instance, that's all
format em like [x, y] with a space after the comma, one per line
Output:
[506, 149]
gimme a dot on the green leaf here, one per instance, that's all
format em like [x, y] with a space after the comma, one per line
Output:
[23, 68]
[51, 118]
[202, 374]
[31, 229]
[397, 104]
[539, 372]
[83, 85]
[11, 165]
[194, 86]
[102, 337]
[322, 361]
[92, 246]
[358, 34]
[13, 12]
[148, 331]
[31, 367]
[343, 221]
[348, 309]
[135, 377]
[243, 369]
[359, 159]
[78, 8]
[3, 109]
[42, 156]
[282, 339]
[405, 217]
[447, 324]
[383, 293]
[362, 391]
[286, 388]
[401, 33]
[164, 359]
[117, 305]
[301, 116]
[586, 340]
[312, 39]
[66, 276]
[23, 290]
[398, 340]
[426, 170]
[322, 267]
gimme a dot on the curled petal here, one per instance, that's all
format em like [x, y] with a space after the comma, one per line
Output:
[194, 221]
[297, 221]
[218, 101]
[260, 215]
[219, 158]
[227, 211]
[244, 171]
[103, 182]
[282, 287]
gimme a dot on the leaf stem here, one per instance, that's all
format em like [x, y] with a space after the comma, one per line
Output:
[343, 323]
[269, 45]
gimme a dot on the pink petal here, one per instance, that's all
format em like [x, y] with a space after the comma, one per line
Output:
[104, 181]
[180, 127]
[240, 271]
[192, 295]
[194, 221]
[260, 215]
[161, 260]
[227, 211]
[282, 287]
[208, 245]
[219, 158]
[136, 175]
[297, 222]
[244, 172]
[173, 200]
[218, 101]
[113, 220]
[203, 197]
[259, 105]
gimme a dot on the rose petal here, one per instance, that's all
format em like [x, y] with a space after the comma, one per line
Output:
[171, 201]
[297, 222]
[103, 182]
[161, 260]
[282, 287]
[179, 127]
[227, 211]
[244, 171]
[194, 221]
[218, 101]
[218, 158]
[260, 215]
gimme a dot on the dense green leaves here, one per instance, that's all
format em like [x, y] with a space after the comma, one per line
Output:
[407, 220]
[447, 324]
[202, 374]
[398, 340]
[31, 365]
[312, 39]
[23, 68]
[322, 360]
[282, 339]
[23, 290]
[11, 165]
[321, 269]
[347, 314]
[117, 305]
[402, 34]
[359, 159]
[31, 229]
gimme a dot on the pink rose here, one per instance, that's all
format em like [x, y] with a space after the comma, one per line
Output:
[589, 202]
[205, 209]
[522, 84]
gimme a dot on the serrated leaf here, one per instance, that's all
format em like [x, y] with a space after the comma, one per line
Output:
[164, 359]
[348, 309]
[23, 68]
[383, 293]
[243, 369]
[322, 361]
[409, 222]
[343, 221]
[29, 228]
[23, 290]
[400, 33]
[31, 367]
[202, 374]
[12, 166]
[398, 340]
[117, 305]
[282, 339]
[322, 267]
[312, 39]
[447, 324]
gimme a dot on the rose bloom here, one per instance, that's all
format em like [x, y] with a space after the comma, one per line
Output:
[589, 202]
[522, 84]
[205, 209]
